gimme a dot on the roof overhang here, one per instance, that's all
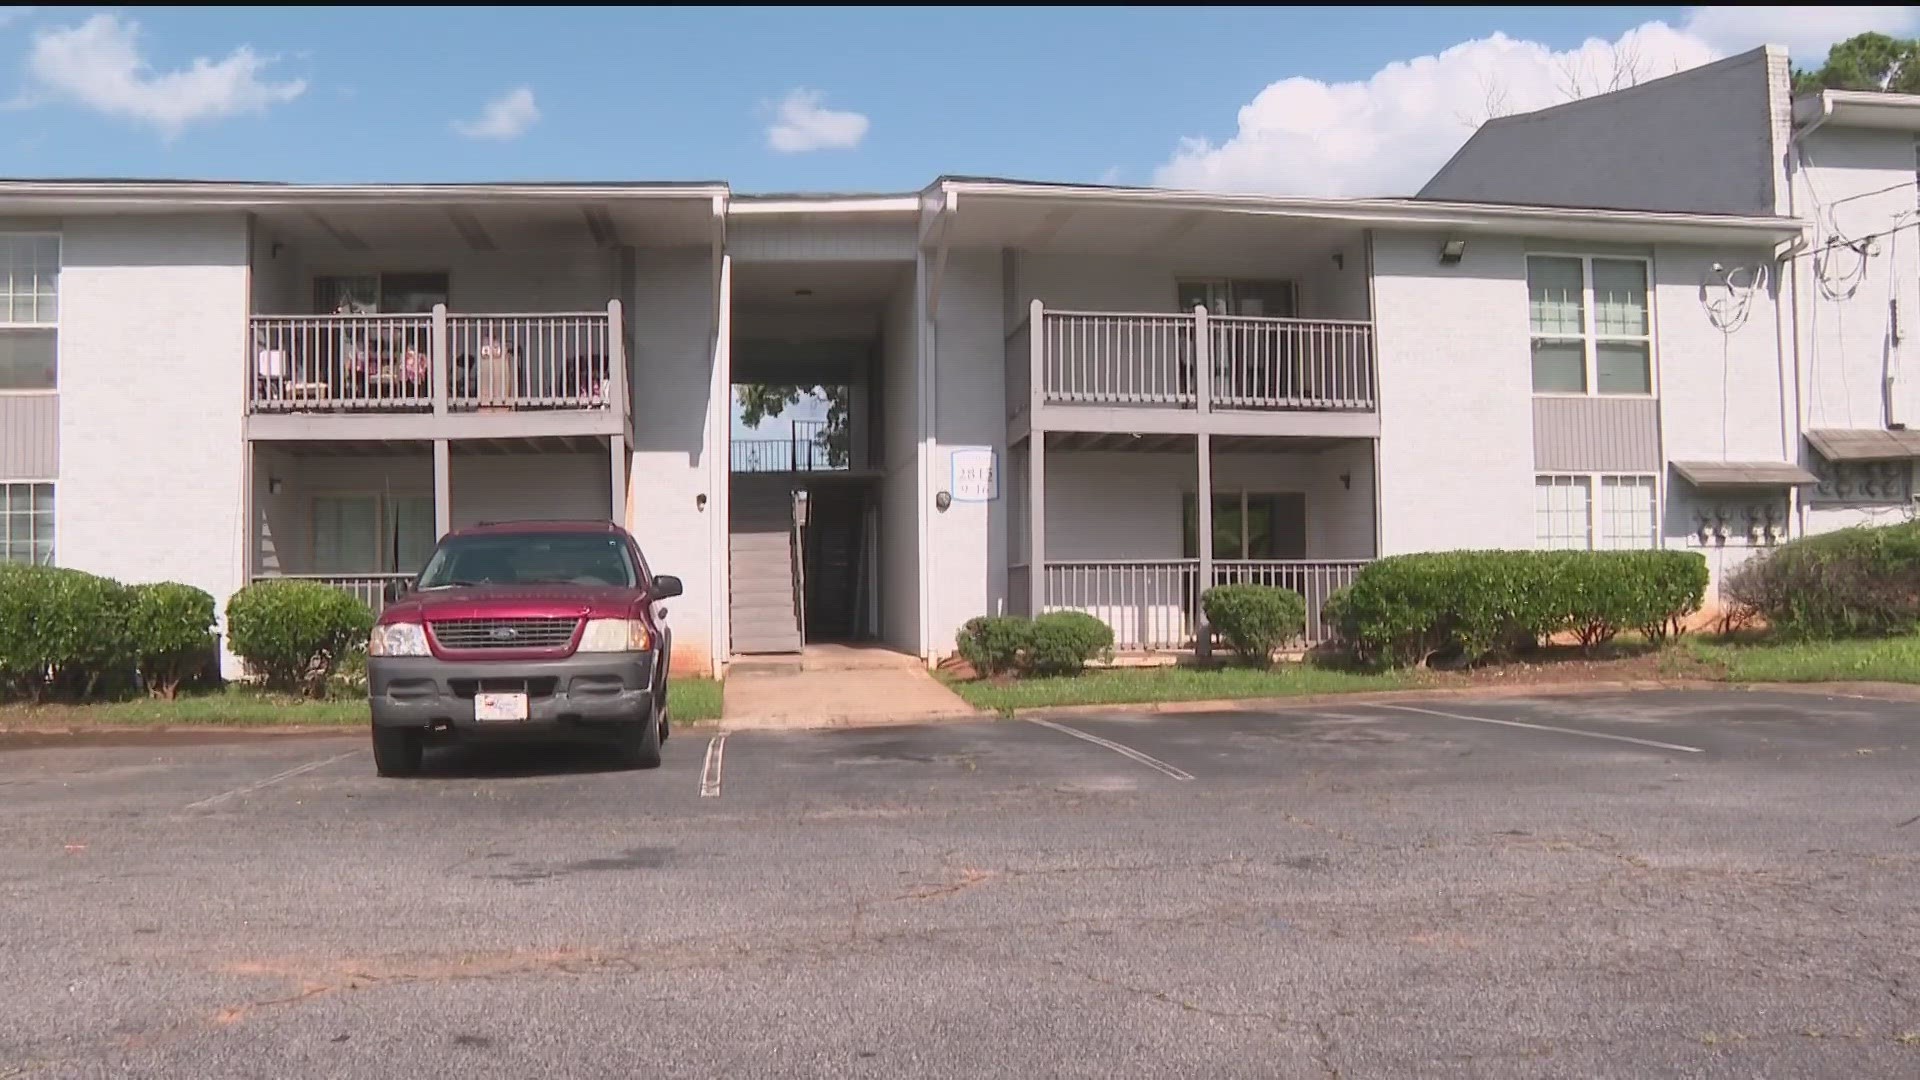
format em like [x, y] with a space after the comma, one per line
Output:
[1857, 109]
[1145, 211]
[1743, 474]
[1836, 444]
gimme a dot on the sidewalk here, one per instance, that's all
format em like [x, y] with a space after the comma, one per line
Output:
[835, 686]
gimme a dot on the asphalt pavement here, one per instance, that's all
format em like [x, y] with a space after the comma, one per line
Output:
[1712, 883]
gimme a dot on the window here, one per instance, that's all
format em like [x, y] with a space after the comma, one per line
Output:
[26, 523]
[1249, 526]
[579, 558]
[1567, 517]
[368, 534]
[1226, 296]
[29, 310]
[1590, 324]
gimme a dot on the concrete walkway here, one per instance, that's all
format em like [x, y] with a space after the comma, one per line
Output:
[834, 686]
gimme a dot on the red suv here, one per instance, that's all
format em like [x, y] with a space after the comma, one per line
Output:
[545, 628]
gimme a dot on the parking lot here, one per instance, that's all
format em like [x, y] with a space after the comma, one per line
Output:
[1710, 883]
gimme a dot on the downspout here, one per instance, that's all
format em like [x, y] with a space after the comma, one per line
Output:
[929, 295]
[1793, 166]
[719, 474]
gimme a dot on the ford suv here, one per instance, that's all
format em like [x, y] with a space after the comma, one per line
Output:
[535, 628]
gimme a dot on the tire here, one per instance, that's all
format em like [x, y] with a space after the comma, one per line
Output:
[397, 751]
[639, 745]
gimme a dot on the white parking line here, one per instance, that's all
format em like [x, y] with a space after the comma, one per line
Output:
[1148, 760]
[710, 773]
[274, 779]
[1542, 727]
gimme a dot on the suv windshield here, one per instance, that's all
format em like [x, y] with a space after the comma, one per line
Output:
[510, 558]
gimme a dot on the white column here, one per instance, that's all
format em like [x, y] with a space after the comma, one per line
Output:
[1036, 459]
[617, 472]
[1203, 536]
[442, 488]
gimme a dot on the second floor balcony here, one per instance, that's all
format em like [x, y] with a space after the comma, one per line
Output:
[438, 362]
[1071, 363]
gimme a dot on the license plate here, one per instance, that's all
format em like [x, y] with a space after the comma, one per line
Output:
[500, 706]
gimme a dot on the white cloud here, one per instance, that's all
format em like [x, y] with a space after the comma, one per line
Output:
[1388, 134]
[97, 64]
[802, 124]
[508, 116]
[11, 15]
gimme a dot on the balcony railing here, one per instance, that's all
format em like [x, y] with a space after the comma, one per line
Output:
[436, 362]
[369, 589]
[807, 449]
[1153, 603]
[1122, 359]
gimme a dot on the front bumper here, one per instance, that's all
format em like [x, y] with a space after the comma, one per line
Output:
[585, 690]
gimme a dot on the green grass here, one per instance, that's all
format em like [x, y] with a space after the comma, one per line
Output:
[238, 706]
[1872, 660]
[695, 699]
[1125, 686]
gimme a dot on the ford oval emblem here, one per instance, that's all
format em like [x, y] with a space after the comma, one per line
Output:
[503, 633]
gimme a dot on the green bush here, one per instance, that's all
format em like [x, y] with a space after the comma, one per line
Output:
[62, 628]
[1064, 642]
[992, 644]
[171, 633]
[1408, 609]
[1255, 619]
[1858, 582]
[293, 633]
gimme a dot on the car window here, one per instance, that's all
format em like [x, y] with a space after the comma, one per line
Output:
[532, 558]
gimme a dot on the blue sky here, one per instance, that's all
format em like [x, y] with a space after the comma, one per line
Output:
[898, 96]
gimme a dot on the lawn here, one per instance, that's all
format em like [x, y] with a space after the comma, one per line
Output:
[237, 706]
[1135, 685]
[1869, 660]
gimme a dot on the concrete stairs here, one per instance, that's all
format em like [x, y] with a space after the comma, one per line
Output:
[761, 563]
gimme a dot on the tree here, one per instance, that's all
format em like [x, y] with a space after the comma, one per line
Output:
[1867, 61]
[765, 401]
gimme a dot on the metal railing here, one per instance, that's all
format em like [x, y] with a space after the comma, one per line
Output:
[349, 363]
[1153, 359]
[558, 361]
[369, 589]
[1291, 363]
[1154, 603]
[437, 362]
[805, 450]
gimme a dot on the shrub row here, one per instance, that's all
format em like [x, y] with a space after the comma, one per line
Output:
[1254, 620]
[1056, 643]
[1407, 609]
[67, 629]
[1858, 582]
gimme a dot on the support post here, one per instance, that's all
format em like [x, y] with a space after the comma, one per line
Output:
[1036, 459]
[1202, 361]
[617, 397]
[437, 353]
[1203, 540]
[617, 472]
[442, 488]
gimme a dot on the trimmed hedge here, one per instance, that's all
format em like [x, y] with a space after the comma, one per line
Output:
[1255, 619]
[1857, 582]
[171, 632]
[1056, 643]
[295, 632]
[1407, 609]
[62, 628]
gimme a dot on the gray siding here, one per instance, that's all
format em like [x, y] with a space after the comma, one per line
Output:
[1700, 141]
[1598, 434]
[29, 436]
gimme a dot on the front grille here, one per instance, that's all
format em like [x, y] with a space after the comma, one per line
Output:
[531, 633]
[541, 687]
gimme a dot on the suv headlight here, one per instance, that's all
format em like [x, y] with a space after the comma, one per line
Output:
[398, 639]
[615, 635]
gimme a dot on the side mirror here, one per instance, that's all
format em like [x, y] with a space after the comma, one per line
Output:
[666, 586]
[394, 590]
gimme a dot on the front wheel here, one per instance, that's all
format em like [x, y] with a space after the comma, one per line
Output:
[397, 751]
[639, 745]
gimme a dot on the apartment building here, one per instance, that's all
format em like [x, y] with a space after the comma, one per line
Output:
[1731, 137]
[1034, 383]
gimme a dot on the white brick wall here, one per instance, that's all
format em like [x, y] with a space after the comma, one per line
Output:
[152, 330]
[967, 542]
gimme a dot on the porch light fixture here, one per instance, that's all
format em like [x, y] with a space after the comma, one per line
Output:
[1346, 480]
[1339, 260]
[1452, 251]
[273, 485]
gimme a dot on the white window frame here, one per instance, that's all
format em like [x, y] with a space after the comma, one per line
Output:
[53, 556]
[1590, 337]
[7, 324]
[1596, 507]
